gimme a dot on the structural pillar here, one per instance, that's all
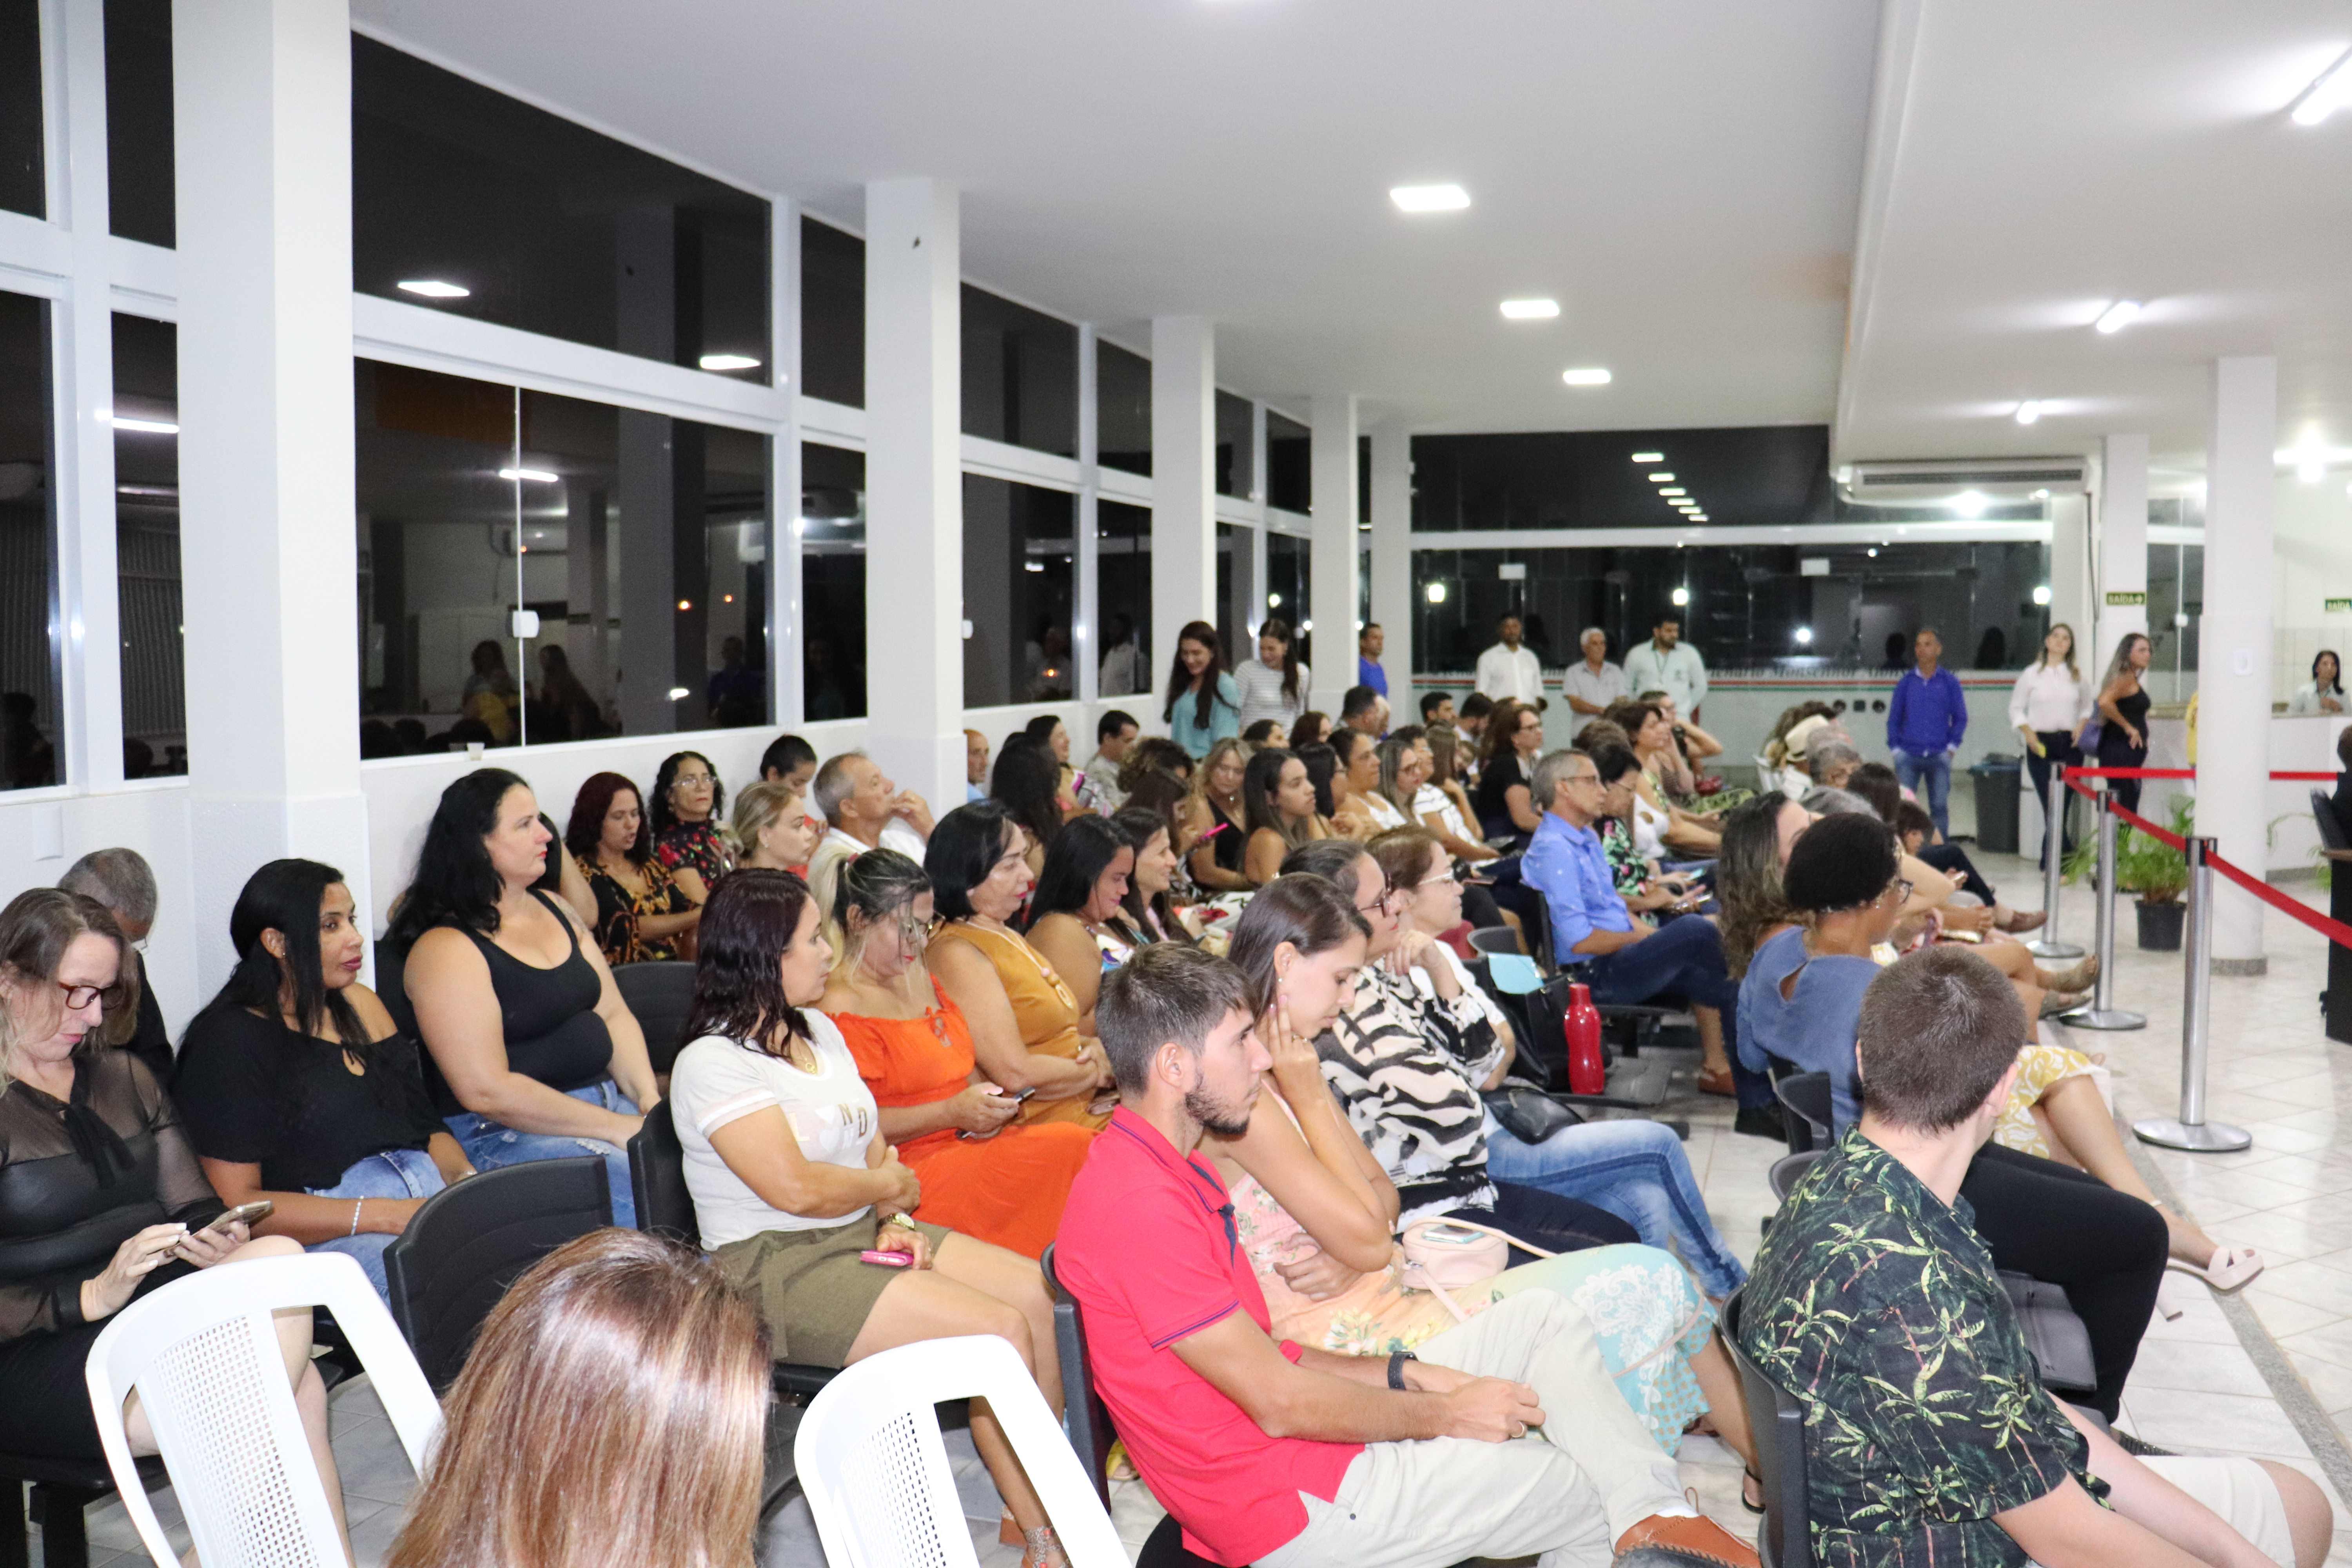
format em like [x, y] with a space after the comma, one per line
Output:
[2070, 572]
[1393, 604]
[1183, 488]
[2123, 548]
[269, 538]
[786, 624]
[2233, 647]
[914, 487]
[1334, 589]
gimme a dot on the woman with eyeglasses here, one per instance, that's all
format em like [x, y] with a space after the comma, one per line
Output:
[983, 1174]
[684, 818]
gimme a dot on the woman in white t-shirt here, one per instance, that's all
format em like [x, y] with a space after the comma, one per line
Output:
[792, 1179]
[1273, 684]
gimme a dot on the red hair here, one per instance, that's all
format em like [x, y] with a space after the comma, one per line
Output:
[585, 831]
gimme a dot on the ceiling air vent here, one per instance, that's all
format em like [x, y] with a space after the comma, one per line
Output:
[1937, 482]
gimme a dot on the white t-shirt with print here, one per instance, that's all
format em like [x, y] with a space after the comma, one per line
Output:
[831, 1111]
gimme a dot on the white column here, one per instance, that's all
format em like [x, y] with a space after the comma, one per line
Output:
[2234, 649]
[1393, 603]
[1085, 630]
[914, 486]
[1332, 549]
[1183, 484]
[2070, 573]
[784, 615]
[268, 541]
[2123, 547]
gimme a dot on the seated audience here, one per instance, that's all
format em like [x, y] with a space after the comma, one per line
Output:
[1278, 810]
[123, 881]
[793, 1177]
[1078, 911]
[788, 760]
[296, 1087]
[1203, 705]
[1149, 904]
[983, 1175]
[1628, 960]
[1877, 782]
[1757, 835]
[864, 810]
[1264, 732]
[1436, 708]
[1361, 708]
[1506, 809]
[1355, 775]
[1472, 716]
[1442, 804]
[1391, 798]
[1212, 820]
[1024, 784]
[614, 1409]
[1098, 787]
[1678, 761]
[530, 1054]
[1646, 887]
[101, 1197]
[563, 876]
[1929, 1436]
[1312, 728]
[772, 829]
[645, 912]
[1661, 827]
[1022, 1017]
[1831, 762]
[687, 813]
[1247, 1439]
[975, 766]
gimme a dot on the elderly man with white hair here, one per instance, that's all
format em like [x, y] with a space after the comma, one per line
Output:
[123, 881]
[1592, 686]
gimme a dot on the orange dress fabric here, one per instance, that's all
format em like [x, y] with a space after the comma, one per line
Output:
[1045, 1009]
[1008, 1189]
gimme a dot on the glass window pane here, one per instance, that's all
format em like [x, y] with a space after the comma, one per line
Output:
[833, 314]
[1289, 465]
[1019, 542]
[1232, 542]
[1237, 447]
[1123, 409]
[23, 188]
[147, 548]
[1020, 376]
[548, 225]
[1123, 590]
[1287, 587]
[139, 171]
[833, 581]
[29, 651]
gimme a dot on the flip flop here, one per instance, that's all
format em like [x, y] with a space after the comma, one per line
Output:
[2231, 1268]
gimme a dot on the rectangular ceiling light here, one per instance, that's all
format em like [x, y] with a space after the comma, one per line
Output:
[1589, 376]
[150, 426]
[1531, 310]
[433, 288]
[1429, 198]
[537, 476]
[1673, 490]
[2029, 411]
[729, 362]
[1662, 478]
[1649, 458]
[2117, 316]
[2327, 93]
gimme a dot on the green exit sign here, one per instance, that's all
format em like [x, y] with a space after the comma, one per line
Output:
[2115, 599]
[2339, 607]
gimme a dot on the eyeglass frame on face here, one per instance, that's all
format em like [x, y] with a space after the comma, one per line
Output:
[1900, 887]
[1384, 904]
[1592, 778]
[81, 996]
[914, 935]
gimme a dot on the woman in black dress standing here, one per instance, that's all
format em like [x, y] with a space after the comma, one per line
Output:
[2123, 704]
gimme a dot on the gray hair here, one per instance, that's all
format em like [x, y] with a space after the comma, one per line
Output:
[1590, 632]
[1827, 802]
[120, 879]
[1543, 788]
[832, 785]
[1832, 755]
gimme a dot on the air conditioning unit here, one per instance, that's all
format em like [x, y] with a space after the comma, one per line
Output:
[1941, 481]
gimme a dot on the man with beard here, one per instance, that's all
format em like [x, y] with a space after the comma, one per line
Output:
[1287, 1456]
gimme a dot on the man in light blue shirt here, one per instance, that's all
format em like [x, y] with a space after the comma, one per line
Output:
[1666, 663]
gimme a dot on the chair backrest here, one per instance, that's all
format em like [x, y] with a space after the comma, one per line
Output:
[658, 1179]
[2332, 834]
[1085, 1418]
[1806, 1097]
[1789, 1169]
[469, 1242]
[876, 1472]
[203, 1354]
[658, 993]
[1777, 1420]
[1494, 939]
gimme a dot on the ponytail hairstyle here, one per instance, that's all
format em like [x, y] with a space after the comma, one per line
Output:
[876, 884]
[284, 896]
[1275, 626]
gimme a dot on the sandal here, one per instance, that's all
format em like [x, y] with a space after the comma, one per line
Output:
[2077, 978]
[1749, 1478]
[2009, 920]
[2057, 1002]
[2231, 1268]
[1039, 1549]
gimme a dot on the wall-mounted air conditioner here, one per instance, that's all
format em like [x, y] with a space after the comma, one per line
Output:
[1941, 481]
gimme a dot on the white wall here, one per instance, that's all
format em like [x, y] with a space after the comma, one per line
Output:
[2311, 529]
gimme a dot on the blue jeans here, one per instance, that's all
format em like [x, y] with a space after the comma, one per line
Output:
[395, 1173]
[1936, 770]
[489, 1144]
[1635, 1169]
[1686, 956]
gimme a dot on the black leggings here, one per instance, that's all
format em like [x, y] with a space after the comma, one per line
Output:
[1549, 1221]
[1953, 862]
[2057, 1224]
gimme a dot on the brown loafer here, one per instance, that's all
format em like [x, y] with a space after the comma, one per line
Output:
[2025, 919]
[1691, 1540]
[1716, 1080]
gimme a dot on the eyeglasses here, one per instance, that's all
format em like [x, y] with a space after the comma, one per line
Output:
[1442, 880]
[1583, 778]
[1385, 903]
[917, 934]
[1900, 888]
[79, 996]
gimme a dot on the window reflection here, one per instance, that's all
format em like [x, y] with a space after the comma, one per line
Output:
[1289, 463]
[138, 168]
[1020, 376]
[1237, 446]
[147, 548]
[21, 182]
[30, 737]
[1287, 587]
[833, 314]
[1123, 592]
[1123, 409]
[832, 583]
[1019, 547]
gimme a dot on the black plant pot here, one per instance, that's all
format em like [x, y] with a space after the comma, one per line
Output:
[2160, 925]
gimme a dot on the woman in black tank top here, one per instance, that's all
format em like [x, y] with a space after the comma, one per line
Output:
[2123, 704]
[563, 1070]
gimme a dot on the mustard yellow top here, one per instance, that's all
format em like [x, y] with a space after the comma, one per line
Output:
[1044, 1008]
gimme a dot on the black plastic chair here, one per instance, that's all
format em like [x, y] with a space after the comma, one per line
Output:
[657, 1180]
[1085, 1420]
[1806, 1097]
[62, 1489]
[471, 1241]
[1494, 939]
[1776, 1419]
[1632, 1085]
[1789, 1169]
[657, 994]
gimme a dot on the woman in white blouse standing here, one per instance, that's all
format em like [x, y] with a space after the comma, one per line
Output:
[1273, 684]
[2049, 708]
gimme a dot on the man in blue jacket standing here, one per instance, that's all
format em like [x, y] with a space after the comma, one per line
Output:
[1924, 724]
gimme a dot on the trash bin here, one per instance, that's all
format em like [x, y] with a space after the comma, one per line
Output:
[1996, 780]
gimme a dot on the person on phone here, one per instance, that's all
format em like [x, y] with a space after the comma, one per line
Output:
[1213, 815]
[297, 1087]
[101, 1197]
[802, 1198]
[530, 1054]
[1288, 1456]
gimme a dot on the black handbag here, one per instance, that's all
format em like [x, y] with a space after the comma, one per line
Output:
[1529, 1115]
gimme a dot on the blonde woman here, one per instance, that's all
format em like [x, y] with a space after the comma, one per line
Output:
[1211, 819]
[773, 829]
[1402, 771]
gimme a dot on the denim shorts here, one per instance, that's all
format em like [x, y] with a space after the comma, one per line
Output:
[489, 1144]
[393, 1173]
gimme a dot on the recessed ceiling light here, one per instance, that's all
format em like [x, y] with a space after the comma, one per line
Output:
[1970, 503]
[1531, 310]
[1671, 490]
[2117, 316]
[150, 426]
[433, 288]
[1804, 636]
[2029, 411]
[2041, 594]
[2326, 95]
[1590, 376]
[1662, 478]
[1649, 457]
[1698, 517]
[1681, 596]
[2311, 470]
[1429, 198]
[730, 362]
[537, 476]
[1436, 593]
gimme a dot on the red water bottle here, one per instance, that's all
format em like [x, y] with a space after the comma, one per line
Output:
[1587, 1071]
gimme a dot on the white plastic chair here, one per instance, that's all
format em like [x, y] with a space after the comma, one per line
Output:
[876, 1472]
[203, 1354]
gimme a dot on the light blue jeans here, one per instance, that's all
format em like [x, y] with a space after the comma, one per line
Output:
[1935, 773]
[1638, 1171]
[489, 1144]
[395, 1173]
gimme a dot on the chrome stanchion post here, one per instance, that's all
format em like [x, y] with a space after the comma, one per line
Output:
[2099, 1015]
[2053, 830]
[2190, 1131]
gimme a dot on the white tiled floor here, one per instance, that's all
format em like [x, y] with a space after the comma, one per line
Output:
[2196, 1386]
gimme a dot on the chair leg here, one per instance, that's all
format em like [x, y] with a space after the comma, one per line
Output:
[65, 1540]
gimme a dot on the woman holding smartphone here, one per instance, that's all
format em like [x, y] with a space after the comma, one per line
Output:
[100, 1195]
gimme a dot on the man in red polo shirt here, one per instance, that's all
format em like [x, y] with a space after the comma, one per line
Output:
[1286, 1456]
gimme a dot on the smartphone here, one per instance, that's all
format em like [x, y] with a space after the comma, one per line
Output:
[1453, 1234]
[887, 1259]
[259, 1209]
[1023, 1095]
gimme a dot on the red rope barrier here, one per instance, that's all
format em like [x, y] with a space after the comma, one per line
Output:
[2332, 929]
[2183, 774]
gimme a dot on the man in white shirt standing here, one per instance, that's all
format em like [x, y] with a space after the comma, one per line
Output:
[1666, 663]
[1508, 669]
[1592, 686]
[866, 812]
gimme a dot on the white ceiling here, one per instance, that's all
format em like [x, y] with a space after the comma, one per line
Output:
[1682, 174]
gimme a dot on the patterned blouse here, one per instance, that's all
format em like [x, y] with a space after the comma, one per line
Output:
[617, 911]
[695, 847]
[1407, 1068]
[1626, 866]
[1877, 1305]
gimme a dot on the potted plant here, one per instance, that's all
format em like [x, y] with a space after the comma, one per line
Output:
[2159, 874]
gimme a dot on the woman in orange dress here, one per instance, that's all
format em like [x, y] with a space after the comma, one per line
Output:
[1024, 1019]
[983, 1174]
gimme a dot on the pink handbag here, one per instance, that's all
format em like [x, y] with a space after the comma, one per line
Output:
[1442, 1256]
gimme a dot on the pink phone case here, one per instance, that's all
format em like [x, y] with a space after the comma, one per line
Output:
[887, 1259]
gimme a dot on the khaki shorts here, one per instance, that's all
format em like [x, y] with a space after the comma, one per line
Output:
[2242, 1492]
[815, 1292]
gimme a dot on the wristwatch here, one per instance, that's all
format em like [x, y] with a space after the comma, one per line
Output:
[1396, 1368]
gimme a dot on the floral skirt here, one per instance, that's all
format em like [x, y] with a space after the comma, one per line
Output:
[2040, 1070]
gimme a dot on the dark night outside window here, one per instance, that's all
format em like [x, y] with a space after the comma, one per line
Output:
[1020, 376]
[139, 169]
[1237, 447]
[1288, 584]
[833, 314]
[30, 737]
[22, 183]
[832, 583]
[1019, 554]
[147, 548]
[1123, 409]
[1289, 463]
[1123, 590]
